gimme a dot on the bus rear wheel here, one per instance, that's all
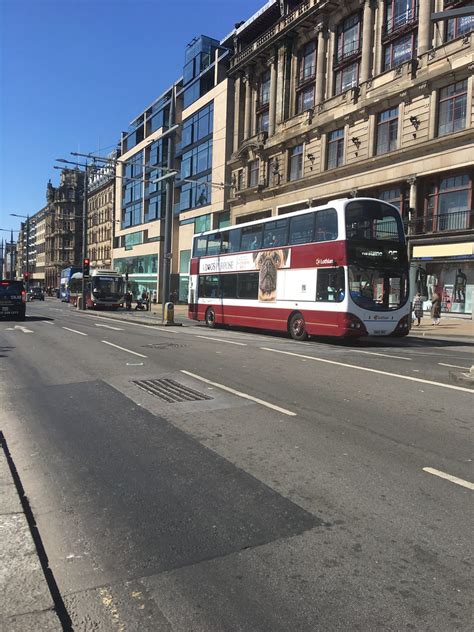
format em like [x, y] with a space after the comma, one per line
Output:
[297, 327]
[211, 318]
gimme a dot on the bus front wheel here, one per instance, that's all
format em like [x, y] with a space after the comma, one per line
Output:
[211, 318]
[297, 327]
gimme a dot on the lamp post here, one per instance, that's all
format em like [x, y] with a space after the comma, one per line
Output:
[27, 223]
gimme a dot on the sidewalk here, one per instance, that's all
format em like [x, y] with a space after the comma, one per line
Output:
[26, 599]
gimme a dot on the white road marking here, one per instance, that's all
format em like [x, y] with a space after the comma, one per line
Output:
[449, 477]
[229, 342]
[108, 327]
[240, 394]
[74, 331]
[48, 322]
[134, 364]
[140, 355]
[363, 368]
[454, 366]
[25, 330]
[384, 355]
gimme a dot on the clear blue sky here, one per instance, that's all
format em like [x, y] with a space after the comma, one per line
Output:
[74, 73]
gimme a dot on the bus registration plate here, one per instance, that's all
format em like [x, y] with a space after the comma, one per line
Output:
[380, 332]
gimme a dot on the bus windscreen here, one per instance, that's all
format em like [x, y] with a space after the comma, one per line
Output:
[372, 220]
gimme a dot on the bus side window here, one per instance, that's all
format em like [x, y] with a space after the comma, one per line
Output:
[234, 240]
[325, 225]
[200, 246]
[330, 285]
[301, 229]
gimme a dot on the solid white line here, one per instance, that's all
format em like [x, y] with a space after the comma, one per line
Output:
[384, 355]
[229, 342]
[454, 366]
[363, 368]
[449, 477]
[240, 394]
[140, 355]
[75, 331]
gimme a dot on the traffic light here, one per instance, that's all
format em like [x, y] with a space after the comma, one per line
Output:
[26, 276]
[86, 267]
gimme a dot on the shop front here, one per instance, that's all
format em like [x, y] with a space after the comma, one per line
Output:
[448, 270]
[142, 274]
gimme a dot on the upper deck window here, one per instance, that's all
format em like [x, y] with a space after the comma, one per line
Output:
[373, 220]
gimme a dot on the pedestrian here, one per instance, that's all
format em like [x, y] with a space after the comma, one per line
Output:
[435, 308]
[418, 308]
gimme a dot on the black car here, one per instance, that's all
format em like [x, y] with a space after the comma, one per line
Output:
[35, 294]
[12, 299]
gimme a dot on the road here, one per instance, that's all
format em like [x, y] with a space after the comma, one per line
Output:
[290, 494]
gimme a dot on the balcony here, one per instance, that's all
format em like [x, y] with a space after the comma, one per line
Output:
[399, 23]
[444, 223]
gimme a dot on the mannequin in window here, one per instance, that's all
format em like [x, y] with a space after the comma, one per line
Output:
[431, 282]
[460, 286]
[420, 280]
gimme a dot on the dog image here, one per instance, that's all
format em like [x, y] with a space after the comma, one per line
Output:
[268, 262]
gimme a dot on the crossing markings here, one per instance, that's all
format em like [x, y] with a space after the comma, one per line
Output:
[363, 368]
[449, 477]
[240, 394]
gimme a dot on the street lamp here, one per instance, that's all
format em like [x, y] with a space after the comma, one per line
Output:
[27, 217]
[84, 223]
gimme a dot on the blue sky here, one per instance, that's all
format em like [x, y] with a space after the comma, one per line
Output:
[74, 73]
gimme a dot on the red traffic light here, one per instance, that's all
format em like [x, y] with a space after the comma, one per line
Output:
[26, 275]
[86, 262]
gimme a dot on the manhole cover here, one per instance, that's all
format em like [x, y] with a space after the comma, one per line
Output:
[170, 391]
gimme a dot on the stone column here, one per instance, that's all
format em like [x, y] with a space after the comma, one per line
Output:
[367, 32]
[248, 103]
[281, 88]
[273, 95]
[424, 27]
[378, 48]
[330, 65]
[237, 122]
[320, 64]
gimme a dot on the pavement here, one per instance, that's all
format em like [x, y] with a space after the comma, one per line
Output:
[27, 603]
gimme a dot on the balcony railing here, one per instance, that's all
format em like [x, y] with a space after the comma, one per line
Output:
[444, 222]
[306, 73]
[400, 21]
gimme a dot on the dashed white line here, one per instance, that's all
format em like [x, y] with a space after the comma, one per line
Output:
[449, 477]
[74, 331]
[47, 322]
[383, 355]
[108, 327]
[229, 342]
[140, 355]
[240, 394]
[454, 366]
[363, 368]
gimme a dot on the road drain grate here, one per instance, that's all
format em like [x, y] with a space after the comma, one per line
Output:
[170, 391]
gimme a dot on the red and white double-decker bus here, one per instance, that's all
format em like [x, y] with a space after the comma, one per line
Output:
[335, 270]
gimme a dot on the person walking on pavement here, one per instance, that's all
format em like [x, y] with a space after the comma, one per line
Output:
[418, 308]
[435, 308]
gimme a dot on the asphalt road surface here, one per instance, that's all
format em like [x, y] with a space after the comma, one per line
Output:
[193, 480]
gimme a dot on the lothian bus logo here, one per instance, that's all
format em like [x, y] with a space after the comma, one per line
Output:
[323, 262]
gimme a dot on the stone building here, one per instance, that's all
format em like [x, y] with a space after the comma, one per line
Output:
[369, 98]
[63, 225]
[100, 215]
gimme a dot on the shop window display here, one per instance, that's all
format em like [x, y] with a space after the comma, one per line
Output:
[453, 281]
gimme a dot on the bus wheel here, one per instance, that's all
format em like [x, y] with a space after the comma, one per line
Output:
[211, 318]
[297, 327]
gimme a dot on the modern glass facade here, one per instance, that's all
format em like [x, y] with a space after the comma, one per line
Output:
[198, 58]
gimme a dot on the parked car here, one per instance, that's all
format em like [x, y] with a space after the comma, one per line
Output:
[12, 299]
[35, 294]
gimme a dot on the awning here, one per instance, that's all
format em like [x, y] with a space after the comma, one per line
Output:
[445, 251]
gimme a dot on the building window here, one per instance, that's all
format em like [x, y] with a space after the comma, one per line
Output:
[305, 99]
[263, 119]
[400, 50]
[452, 108]
[254, 167]
[198, 126]
[296, 162]
[263, 103]
[394, 196]
[273, 172]
[239, 180]
[448, 204]
[347, 78]
[387, 131]
[348, 38]
[456, 27]
[399, 13]
[335, 148]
